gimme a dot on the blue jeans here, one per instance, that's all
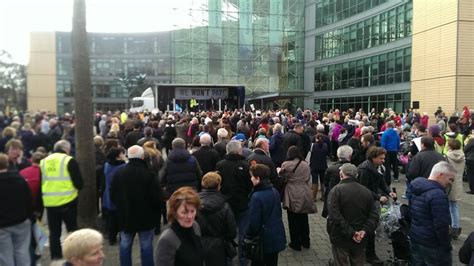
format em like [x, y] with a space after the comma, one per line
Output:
[242, 221]
[146, 247]
[15, 244]
[421, 256]
[454, 210]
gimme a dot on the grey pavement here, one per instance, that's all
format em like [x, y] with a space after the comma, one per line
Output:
[319, 252]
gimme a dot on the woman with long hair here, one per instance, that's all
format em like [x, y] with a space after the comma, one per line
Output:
[297, 199]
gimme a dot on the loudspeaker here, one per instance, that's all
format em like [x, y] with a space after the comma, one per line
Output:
[415, 105]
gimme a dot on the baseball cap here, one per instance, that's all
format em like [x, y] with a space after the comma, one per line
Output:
[240, 137]
[349, 169]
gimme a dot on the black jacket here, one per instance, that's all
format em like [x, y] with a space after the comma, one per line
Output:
[181, 169]
[372, 179]
[469, 150]
[331, 179]
[15, 199]
[260, 157]
[466, 253]
[137, 196]
[319, 153]
[221, 148]
[291, 138]
[217, 223]
[276, 149]
[422, 163]
[132, 138]
[207, 158]
[236, 185]
[351, 208]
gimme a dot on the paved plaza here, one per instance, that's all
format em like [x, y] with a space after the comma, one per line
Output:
[320, 251]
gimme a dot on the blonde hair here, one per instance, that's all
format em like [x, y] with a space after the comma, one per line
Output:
[9, 132]
[80, 242]
[211, 180]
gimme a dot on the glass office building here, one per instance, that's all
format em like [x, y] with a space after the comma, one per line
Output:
[257, 44]
[358, 54]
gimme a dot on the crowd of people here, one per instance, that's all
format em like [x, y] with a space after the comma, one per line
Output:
[213, 185]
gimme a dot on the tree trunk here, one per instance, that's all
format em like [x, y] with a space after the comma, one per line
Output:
[85, 151]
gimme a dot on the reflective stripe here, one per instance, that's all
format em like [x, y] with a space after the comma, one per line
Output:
[55, 178]
[64, 193]
[61, 167]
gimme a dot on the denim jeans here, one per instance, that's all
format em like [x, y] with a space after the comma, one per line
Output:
[242, 221]
[421, 256]
[454, 210]
[15, 244]
[146, 247]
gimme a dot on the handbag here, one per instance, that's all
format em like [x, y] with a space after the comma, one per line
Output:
[253, 247]
[308, 155]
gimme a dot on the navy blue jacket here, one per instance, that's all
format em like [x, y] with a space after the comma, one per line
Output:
[429, 208]
[390, 140]
[180, 170]
[319, 153]
[265, 211]
[277, 151]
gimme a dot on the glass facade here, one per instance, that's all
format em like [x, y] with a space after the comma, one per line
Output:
[380, 29]
[331, 11]
[383, 69]
[258, 44]
[397, 101]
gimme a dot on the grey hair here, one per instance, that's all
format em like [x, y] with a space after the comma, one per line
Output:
[260, 141]
[135, 152]
[320, 128]
[222, 133]
[178, 143]
[62, 145]
[344, 152]
[205, 139]
[277, 127]
[234, 147]
[442, 167]
[390, 124]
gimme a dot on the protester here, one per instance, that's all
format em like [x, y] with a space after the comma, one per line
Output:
[265, 214]
[181, 169]
[319, 164]
[297, 198]
[115, 160]
[391, 143]
[371, 175]
[206, 155]
[15, 214]
[136, 193]
[430, 218]
[180, 244]
[236, 186]
[84, 247]
[217, 222]
[455, 156]
[352, 215]
[61, 182]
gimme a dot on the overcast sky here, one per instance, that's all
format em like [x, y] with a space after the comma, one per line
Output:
[19, 17]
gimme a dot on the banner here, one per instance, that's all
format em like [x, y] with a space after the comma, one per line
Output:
[187, 93]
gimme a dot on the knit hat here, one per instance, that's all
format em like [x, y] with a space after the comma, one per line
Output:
[434, 130]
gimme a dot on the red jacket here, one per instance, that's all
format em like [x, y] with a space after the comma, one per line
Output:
[32, 175]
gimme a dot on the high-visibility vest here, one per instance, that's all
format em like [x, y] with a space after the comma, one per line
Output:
[459, 137]
[56, 183]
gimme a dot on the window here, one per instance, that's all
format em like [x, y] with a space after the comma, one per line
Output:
[382, 28]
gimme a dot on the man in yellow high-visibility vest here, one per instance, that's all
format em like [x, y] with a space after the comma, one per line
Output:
[61, 179]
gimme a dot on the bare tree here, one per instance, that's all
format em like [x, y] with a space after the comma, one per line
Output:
[85, 152]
